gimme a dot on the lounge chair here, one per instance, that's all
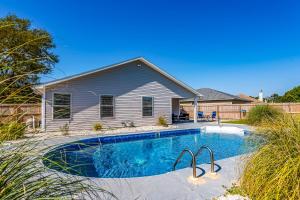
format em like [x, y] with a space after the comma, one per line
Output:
[201, 115]
[213, 115]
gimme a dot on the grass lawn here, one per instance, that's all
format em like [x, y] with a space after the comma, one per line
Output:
[237, 121]
[244, 121]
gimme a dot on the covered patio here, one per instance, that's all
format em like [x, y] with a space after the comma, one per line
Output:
[180, 115]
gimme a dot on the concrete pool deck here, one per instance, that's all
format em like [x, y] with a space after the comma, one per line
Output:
[177, 184]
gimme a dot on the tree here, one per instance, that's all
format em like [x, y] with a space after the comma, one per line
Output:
[25, 54]
[292, 95]
[274, 98]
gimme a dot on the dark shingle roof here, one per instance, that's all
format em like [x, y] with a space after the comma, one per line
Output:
[215, 95]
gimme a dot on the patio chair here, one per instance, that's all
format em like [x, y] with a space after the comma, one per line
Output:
[184, 115]
[213, 115]
[201, 115]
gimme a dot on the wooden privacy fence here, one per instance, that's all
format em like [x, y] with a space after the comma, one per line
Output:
[229, 111]
[238, 111]
[20, 111]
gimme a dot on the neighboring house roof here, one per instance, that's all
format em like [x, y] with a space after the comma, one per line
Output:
[243, 96]
[215, 95]
[41, 86]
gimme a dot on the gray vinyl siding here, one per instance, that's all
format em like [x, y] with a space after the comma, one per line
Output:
[127, 83]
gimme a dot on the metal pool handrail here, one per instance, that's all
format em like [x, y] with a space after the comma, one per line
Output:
[211, 155]
[193, 160]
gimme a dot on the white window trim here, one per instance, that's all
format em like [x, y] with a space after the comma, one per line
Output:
[114, 106]
[53, 106]
[152, 107]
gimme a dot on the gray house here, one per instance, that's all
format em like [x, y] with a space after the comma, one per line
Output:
[134, 90]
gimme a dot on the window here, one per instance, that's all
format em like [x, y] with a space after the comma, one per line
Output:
[106, 106]
[147, 106]
[61, 106]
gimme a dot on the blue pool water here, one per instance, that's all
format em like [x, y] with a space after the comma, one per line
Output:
[140, 154]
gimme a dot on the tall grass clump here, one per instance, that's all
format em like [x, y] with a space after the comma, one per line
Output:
[273, 171]
[23, 176]
[259, 113]
[12, 131]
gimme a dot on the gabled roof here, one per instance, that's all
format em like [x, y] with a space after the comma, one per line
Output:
[215, 95]
[154, 67]
[244, 96]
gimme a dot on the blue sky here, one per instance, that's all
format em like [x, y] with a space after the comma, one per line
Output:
[230, 45]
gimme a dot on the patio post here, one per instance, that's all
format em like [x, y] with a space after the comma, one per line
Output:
[196, 109]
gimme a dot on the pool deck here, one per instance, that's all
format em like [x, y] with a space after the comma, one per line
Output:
[177, 184]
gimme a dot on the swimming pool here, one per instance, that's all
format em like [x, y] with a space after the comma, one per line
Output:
[138, 155]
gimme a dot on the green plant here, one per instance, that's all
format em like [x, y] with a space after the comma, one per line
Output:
[297, 117]
[292, 95]
[12, 130]
[25, 53]
[97, 127]
[273, 171]
[259, 113]
[162, 121]
[235, 189]
[23, 176]
[237, 121]
[64, 129]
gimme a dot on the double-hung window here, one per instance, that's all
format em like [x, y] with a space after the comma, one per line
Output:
[147, 106]
[106, 106]
[61, 106]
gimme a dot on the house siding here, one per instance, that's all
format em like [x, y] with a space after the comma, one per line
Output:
[127, 83]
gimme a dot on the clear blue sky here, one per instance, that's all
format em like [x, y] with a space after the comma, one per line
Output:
[230, 45]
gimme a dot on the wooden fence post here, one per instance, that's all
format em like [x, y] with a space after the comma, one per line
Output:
[240, 107]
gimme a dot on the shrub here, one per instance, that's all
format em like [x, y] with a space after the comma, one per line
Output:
[260, 113]
[12, 131]
[128, 123]
[162, 121]
[273, 171]
[97, 127]
[131, 124]
[64, 129]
